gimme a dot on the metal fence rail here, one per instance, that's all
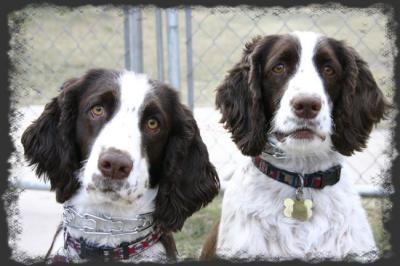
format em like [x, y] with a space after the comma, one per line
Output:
[365, 191]
[133, 39]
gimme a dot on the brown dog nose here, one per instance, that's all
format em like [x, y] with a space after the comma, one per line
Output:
[115, 164]
[306, 107]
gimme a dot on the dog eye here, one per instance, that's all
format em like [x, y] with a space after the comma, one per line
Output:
[279, 68]
[328, 71]
[97, 110]
[152, 124]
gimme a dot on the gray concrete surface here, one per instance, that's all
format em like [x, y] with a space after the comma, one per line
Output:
[40, 215]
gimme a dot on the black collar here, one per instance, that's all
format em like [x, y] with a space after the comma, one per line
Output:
[123, 251]
[318, 179]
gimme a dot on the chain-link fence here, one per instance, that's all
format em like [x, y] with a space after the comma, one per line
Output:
[192, 48]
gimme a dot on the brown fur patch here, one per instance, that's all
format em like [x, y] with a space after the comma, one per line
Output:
[210, 244]
[167, 239]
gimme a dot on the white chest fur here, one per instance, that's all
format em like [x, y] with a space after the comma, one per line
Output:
[253, 224]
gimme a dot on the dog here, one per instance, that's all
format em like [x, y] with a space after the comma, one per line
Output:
[126, 159]
[295, 104]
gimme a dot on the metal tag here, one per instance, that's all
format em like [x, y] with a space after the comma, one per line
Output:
[298, 209]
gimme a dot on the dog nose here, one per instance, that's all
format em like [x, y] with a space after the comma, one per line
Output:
[306, 106]
[115, 164]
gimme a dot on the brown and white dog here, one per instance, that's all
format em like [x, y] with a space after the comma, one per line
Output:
[126, 159]
[295, 104]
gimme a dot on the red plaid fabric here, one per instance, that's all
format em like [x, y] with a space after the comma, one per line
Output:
[318, 179]
[123, 251]
[59, 258]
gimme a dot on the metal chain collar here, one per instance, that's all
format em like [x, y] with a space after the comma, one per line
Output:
[106, 225]
[272, 150]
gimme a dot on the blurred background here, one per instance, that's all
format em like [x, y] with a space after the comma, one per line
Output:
[191, 48]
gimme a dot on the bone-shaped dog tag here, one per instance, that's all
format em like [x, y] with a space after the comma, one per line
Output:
[298, 209]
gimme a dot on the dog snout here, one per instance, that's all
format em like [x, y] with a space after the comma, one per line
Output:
[115, 164]
[306, 107]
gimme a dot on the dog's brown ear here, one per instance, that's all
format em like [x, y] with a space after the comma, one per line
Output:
[49, 142]
[240, 98]
[361, 103]
[189, 181]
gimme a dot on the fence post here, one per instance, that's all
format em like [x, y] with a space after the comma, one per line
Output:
[133, 39]
[173, 47]
[189, 56]
[159, 43]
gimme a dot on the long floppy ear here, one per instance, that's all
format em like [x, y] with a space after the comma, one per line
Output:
[49, 142]
[189, 181]
[240, 98]
[360, 105]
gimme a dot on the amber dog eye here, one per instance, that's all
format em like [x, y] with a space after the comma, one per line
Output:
[328, 71]
[152, 124]
[97, 110]
[279, 68]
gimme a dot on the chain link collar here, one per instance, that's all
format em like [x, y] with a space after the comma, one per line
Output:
[105, 225]
[271, 149]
